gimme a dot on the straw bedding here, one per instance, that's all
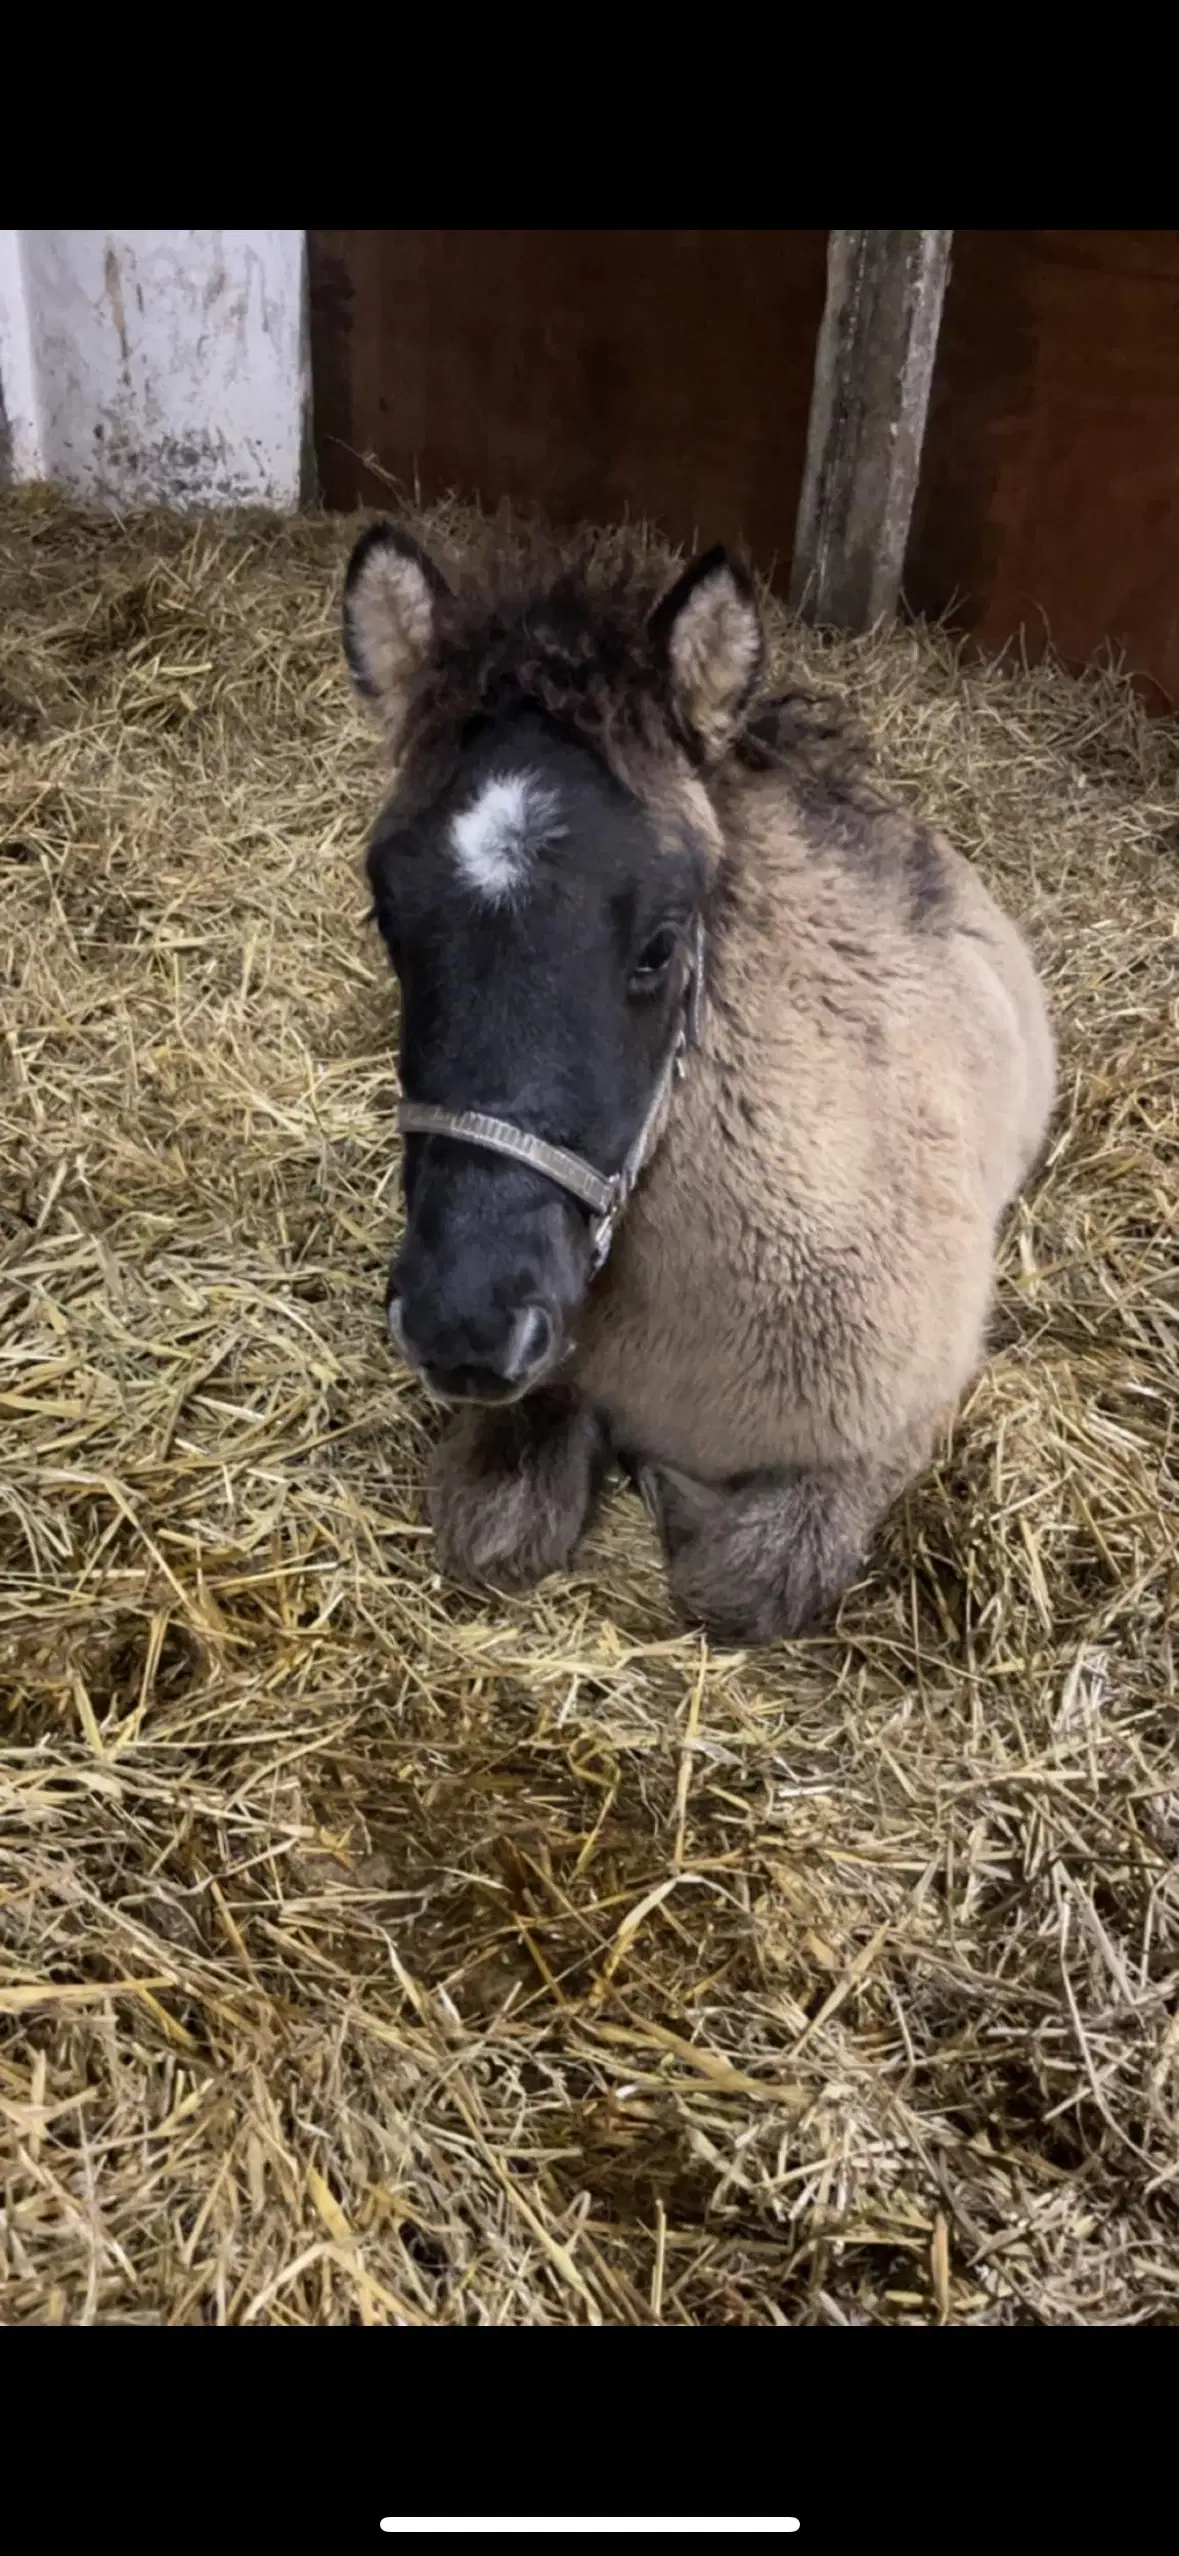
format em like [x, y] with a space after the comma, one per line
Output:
[371, 1954]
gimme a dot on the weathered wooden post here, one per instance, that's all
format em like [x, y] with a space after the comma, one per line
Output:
[873, 370]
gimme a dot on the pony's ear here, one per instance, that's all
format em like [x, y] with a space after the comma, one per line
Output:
[391, 596]
[708, 633]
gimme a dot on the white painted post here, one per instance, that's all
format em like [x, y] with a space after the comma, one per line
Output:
[20, 425]
[166, 367]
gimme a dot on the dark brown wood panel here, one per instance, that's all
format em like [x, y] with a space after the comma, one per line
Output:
[594, 373]
[1049, 495]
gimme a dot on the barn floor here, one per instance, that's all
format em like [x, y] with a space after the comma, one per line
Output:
[369, 1954]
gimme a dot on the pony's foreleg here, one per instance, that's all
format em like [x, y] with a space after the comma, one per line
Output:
[768, 1556]
[511, 1490]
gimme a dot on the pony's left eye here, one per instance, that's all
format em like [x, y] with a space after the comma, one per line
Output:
[654, 959]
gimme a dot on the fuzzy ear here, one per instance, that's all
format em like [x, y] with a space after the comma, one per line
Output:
[708, 632]
[391, 595]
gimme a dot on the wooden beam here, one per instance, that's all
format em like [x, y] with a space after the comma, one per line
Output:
[873, 370]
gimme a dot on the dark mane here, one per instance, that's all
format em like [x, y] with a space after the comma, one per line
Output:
[540, 623]
[534, 620]
[818, 742]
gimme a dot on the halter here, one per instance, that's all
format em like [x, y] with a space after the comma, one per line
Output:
[605, 1197]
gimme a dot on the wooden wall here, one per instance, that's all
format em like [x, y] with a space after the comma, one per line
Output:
[1049, 494]
[669, 373]
[665, 373]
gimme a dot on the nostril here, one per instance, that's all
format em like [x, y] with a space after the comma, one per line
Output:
[530, 1341]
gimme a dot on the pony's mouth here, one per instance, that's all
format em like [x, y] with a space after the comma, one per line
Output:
[483, 1392]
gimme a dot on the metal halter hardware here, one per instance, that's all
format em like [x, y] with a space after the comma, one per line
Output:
[605, 1195]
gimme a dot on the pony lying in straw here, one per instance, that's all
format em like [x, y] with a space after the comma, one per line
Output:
[719, 1072]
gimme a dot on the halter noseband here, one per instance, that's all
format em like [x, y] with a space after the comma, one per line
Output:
[606, 1197]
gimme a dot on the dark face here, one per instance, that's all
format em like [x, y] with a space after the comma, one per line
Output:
[540, 934]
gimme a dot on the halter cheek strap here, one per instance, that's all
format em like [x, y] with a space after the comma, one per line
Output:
[604, 1194]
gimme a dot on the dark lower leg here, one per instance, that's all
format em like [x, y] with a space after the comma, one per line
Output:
[511, 1491]
[760, 1560]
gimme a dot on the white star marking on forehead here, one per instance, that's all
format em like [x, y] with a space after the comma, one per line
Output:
[494, 839]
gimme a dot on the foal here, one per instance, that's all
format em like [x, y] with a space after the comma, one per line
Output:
[720, 1071]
